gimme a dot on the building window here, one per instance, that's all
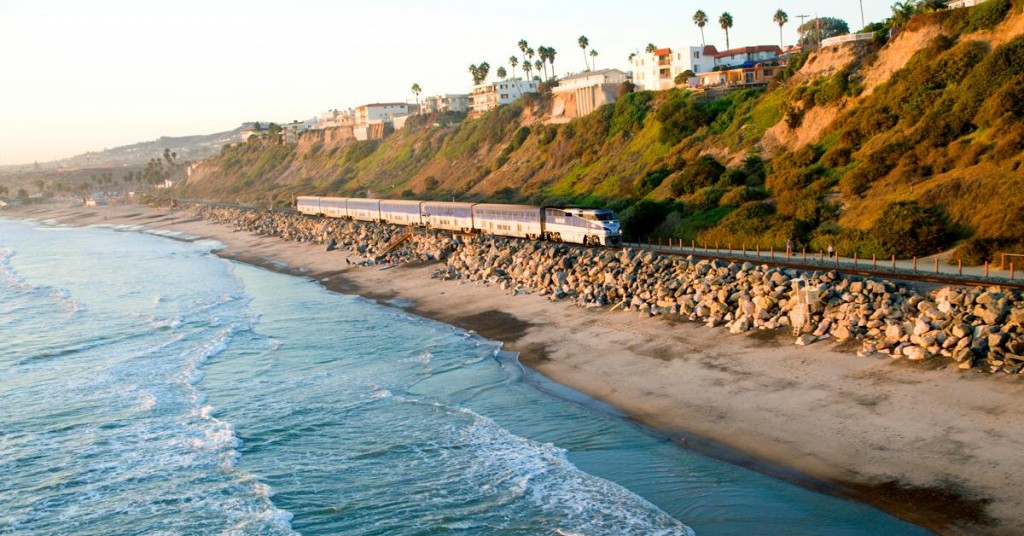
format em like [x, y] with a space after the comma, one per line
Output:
[696, 55]
[767, 72]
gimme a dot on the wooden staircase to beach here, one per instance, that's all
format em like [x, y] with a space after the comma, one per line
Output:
[394, 243]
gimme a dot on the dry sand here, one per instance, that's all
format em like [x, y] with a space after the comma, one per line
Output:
[934, 445]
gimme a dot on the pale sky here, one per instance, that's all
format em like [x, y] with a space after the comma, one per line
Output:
[78, 76]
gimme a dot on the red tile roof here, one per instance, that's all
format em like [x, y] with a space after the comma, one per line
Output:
[662, 51]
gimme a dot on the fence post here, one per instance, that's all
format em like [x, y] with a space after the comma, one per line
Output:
[894, 262]
[1011, 271]
[759, 251]
[874, 261]
[805, 254]
[915, 264]
[986, 269]
[693, 246]
[821, 255]
[730, 248]
[705, 246]
[936, 264]
[772, 252]
[854, 259]
[959, 267]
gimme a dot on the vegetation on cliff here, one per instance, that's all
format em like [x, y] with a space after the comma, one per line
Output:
[900, 146]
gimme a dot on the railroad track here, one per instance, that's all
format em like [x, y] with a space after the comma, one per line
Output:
[800, 262]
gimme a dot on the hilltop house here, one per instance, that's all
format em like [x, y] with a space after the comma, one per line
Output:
[746, 56]
[335, 118]
[753, 75]
[449, 102]
[580, 94]
[373, 121]
[488, 96]
[657, 70]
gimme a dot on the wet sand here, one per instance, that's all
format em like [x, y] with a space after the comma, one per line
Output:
[934, 445]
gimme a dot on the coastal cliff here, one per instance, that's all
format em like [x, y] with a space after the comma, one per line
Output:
[926, 122]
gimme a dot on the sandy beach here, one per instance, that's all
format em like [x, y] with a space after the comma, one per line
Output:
[934, 445]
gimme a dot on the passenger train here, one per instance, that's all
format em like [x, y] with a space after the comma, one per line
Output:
[579, 225]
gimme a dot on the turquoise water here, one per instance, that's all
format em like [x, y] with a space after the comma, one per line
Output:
[148, 386]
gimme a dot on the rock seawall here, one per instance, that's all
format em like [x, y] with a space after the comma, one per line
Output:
[977, 328]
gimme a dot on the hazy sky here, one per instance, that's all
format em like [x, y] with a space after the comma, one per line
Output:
[82, 75]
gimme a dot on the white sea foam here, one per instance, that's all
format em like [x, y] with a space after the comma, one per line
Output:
[540, 474]
[11, 278]
[146, 401]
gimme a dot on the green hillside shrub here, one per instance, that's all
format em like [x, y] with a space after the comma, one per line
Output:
[905, 228]
[705, 198]
[651, 180]
[629, 113]
[703, 172]
[486, 130]
[753, 224]
[680, 116]
[742, 194]
[639, 220]
[987, 15]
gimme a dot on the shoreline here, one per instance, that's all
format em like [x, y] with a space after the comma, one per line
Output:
[935, 447]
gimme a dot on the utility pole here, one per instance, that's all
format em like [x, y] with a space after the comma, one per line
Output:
[862, 24]
[802, 19]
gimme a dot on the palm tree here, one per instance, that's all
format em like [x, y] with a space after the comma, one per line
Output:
[416, 91]
[484, 69]
[526, 69]
[593, 61]
[501, 73]
[513, 61]
[542, 53]
[725, 21]
[651, 48]
[551, 60]
[539, 65]
[584, 42]
[523, 45]
[780, 18]
[700, 19]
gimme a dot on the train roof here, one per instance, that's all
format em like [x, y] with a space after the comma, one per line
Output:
[505, 206]
[400, 201]
[448, 203]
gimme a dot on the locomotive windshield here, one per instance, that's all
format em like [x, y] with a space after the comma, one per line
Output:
[598, 216]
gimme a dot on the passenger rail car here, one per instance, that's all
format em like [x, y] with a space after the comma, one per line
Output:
[577, 225]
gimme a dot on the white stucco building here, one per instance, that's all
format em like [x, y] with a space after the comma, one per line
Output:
[374, 121]
[658, 70]
[490, 95]
[449, 102]
[581, 94]
[379, 111]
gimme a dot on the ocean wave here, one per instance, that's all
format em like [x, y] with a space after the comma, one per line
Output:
[517, 470]
[11, 278]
